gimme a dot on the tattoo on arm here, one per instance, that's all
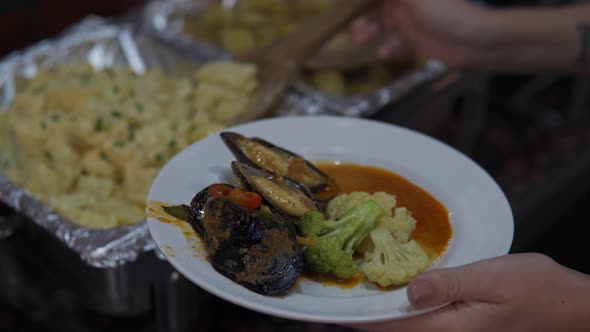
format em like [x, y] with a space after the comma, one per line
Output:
[584, 32]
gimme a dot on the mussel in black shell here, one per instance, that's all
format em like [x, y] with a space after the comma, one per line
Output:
[283, 195]
[246, 247]
[260, 153]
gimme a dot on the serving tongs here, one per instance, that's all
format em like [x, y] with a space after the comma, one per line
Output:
[278, 62]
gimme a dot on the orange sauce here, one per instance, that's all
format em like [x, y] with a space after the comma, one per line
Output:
[330, 280]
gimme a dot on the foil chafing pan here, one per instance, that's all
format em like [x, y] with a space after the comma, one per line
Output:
[103, 44]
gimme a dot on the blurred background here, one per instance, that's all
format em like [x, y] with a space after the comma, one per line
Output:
[532, 133]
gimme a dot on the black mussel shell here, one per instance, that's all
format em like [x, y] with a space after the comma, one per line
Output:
[249, 249]
[283, 195]
[197, 210]
[260, 153]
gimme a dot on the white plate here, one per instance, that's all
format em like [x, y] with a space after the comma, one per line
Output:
[480, 215]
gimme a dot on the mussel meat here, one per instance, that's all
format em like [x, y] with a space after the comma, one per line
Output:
[260, 153]
[283, 195]
[246, 247]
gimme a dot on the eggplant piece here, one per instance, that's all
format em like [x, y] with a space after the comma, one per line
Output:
[257, 152]
[256, 252]
[283, 195]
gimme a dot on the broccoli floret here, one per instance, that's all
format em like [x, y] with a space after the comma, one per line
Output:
[311, 224]
[326, 256]
[391, 262]
[331, 252]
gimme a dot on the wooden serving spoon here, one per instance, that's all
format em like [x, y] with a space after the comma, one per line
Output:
[278, 62]
[340, 53]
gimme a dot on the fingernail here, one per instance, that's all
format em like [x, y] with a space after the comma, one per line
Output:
[420, 291]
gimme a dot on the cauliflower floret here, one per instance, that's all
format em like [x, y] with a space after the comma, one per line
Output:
[391, 262]
[340, 204]
[386, 201]
[401, 225]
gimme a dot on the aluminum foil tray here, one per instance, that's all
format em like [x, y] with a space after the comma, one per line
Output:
[102, 44]
[164, 20]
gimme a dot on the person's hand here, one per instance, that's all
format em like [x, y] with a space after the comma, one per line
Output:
[520, 292]
[454, 31]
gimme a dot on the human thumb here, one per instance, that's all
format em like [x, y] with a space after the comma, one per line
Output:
[442, 286]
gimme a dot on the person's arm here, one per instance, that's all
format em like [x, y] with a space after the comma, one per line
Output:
[543, 39]
[520, 292]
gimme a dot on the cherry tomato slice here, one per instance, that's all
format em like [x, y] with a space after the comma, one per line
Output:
[249, 200]
[219, 190]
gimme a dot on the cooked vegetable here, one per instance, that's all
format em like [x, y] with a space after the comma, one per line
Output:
[327, 256]
[255, 252]
[400, 225]
[392, 262]
[247, 199]
[311, 224]
[344, 202]
[332, 251]
[178, 211]
[250, 24]
[330, 81]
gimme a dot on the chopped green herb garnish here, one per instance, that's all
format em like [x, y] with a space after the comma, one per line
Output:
[85, 78]
[178, 211]
[193, 128]
[139, 107]
[99, 125]
[119, 144]
[116, 89]
[76, 180]
[116, 114]
[43, 124]
[48, 155]
[55, 117]
[189, 98]
[110, 72]
[40, 89]
[159, 158]
[103, 156]
[172, 144]
[217, 102]
[131, 132]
